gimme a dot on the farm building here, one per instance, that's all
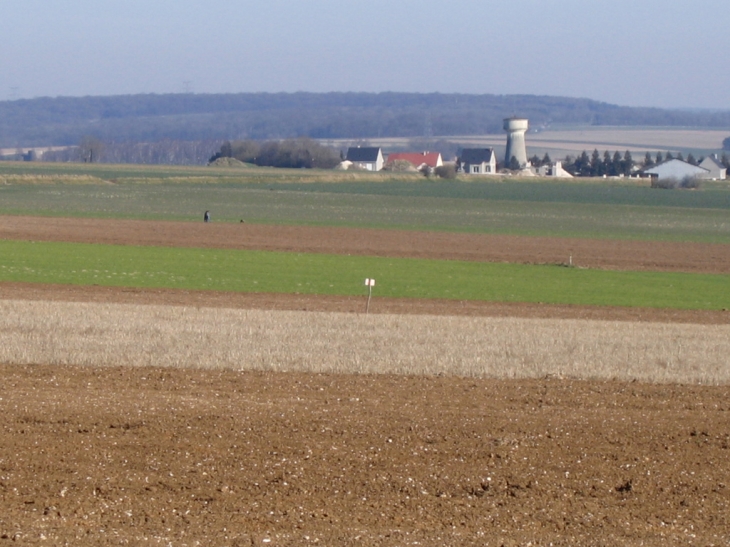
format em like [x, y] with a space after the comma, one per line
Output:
[432, 160]
[554, 170]
[366, 157]
[478, 161]
[677, 169]
[717, 171]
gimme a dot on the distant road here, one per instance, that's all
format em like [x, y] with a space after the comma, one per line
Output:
[39, 150]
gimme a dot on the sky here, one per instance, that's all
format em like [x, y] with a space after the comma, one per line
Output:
[628, 52]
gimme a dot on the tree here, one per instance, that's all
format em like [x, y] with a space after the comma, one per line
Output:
[606, 167]
[648, 162]
[400, 166]
[680, 157]
[627, 164]
[535, 161]
[546, 159]
[583, 165]
[447, 171]
[691, 159]
[595, 164]
[514, 165]
[669, 156]
[725, 160]
[90, 149]
[726, 144]
[659, 158]
[616, 165]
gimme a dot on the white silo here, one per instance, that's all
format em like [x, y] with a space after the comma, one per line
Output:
[516, 129]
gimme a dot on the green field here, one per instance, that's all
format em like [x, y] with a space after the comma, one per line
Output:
[260, 271]
[619, 209]
[593, 209]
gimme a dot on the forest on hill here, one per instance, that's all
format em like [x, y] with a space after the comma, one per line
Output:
[191, 117]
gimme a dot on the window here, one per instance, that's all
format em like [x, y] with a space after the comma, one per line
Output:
[474, 168]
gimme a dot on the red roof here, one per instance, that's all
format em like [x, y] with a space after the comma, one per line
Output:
[418, 158]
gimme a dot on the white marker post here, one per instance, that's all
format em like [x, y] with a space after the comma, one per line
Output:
[369, 283]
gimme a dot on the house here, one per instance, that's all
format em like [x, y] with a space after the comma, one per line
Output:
[366, 157]
[717, 171]
[478, 161]
[432, 160]
[677, 169]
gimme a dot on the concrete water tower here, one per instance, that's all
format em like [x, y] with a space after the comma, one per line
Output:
[516, 129]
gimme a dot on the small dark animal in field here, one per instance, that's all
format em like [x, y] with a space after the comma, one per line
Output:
[206, 216]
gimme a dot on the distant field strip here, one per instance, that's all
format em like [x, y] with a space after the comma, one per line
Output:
[592, 210]
[281, 272]
[132, 335]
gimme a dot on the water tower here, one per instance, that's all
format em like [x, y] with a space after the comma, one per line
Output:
[516, 129]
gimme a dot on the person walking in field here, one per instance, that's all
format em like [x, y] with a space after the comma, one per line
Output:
[206, 216]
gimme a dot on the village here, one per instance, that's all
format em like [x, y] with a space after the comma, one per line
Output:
[484, 162]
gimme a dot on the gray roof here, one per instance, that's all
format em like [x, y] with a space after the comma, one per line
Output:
[477, 155]
[365, 153]
[714, 160]
[676, 168]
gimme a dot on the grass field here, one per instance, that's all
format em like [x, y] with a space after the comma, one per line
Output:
[593, 208]
[261, 271]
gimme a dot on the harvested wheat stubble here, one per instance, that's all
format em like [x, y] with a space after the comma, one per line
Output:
[132, 335]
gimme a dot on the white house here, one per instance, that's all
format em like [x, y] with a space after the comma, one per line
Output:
[717, 171]
[478, 161]
[366, 157]
[677, 169]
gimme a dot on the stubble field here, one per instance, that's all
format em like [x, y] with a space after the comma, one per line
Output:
[262, 419]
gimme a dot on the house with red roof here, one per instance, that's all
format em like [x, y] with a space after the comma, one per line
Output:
[432, 160]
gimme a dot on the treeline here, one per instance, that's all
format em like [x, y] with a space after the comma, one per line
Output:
[617, 164]
[611, 165]
[167, 152]
[273, 116]
[291, 153]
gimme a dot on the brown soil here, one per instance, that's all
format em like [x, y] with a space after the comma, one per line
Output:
[606, 254]
[94, 456]
[186, 457]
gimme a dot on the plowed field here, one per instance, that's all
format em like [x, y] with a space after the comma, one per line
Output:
[149, 456]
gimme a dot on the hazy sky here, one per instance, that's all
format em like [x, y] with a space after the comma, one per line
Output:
[628, 52]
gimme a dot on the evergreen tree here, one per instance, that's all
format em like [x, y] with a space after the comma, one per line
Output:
[669, 156]
[535, 161]
[725, 160]
[546, 159]
[616, 167]
[583, 164]
[680, 157]
[659, 158]
[514, 165]
[595, 164]
[606, 167]
[691, 159]
[648, 162]
[627, 164]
